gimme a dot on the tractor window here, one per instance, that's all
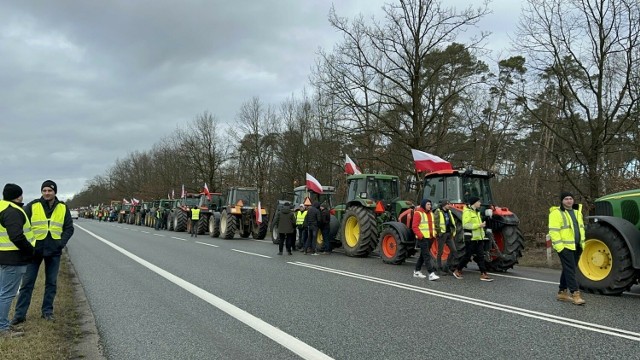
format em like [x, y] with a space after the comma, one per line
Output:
[452, 192]
[382, 189]
[477, 186]
[248, 197]
[433, 189]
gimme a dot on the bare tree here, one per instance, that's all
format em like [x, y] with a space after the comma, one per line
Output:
[590, 48]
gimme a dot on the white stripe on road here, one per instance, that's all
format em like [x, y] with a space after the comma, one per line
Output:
[177, 238]
[298, 347]
[264, 241]
[250, 253]
[198, 242]
[146, 232]
[483, 303]
[160, 235]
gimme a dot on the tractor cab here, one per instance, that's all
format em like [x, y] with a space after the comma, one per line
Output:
[300, 193]
[458, 186]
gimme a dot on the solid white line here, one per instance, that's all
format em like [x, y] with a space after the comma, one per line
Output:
[487, 304]
[198, 242]
[264, 241]
[524, 278]
[250, 253]
[298, 347]
[177, 238]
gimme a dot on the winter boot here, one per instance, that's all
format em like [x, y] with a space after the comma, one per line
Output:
[577, 298]
[563, 295]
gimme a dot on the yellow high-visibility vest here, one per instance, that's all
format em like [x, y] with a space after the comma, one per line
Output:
[427, 233]
[442, 225]
[471, 221]
[42, 225]
[561, 228]
[195, 214]
[300, 217]
[5, 243]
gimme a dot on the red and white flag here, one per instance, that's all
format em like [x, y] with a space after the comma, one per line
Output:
[350, 167]
[135, 201]
[173, 194]
[206, 191]
[313, 184]
[259, 214]
[125, 202]
[183, 194]
[428, 163]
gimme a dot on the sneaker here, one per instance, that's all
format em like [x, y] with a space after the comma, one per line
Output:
[577, 299]
[18, 321]
[485, 277]
[419, 274]
[457, 274]
[315, 253]
[48, 317]
[563, 295]
[433, 277]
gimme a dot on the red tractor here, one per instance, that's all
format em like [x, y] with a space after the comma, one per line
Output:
[505, 243]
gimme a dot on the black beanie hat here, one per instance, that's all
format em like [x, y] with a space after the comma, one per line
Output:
[473, 200]
[424, 202]
[11, 192]
[51, 184]
[564, 194]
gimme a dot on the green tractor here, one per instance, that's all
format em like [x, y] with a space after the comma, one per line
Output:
[372, 209]
[506, 241]
[610, 260]
[240, 214]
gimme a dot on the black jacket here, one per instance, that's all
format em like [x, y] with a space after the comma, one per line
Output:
[13, 220]
[325, 218]
[48, 246]
[285, 221]
[313, 216]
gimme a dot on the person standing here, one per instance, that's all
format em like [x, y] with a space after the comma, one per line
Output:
[53, 227]
[325, 229]
[310, 226]
[286, 224]
[424, 228]
[195, 218]
[300, 215]
[566, 229]
[473, 238]
[16, 250]
[446, 233]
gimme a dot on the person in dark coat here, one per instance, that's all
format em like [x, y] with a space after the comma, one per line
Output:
[286, 224]
[325, 228]
[17, 241]
[311, 222]
[53, 227]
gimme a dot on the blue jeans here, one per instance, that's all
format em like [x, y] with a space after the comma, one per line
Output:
[10, 276]
[326, 233]
[310, 239]
[51, 267]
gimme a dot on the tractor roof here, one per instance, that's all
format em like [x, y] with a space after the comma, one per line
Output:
[459, 172]
[325, 189]
[377, 176]
[620, 195]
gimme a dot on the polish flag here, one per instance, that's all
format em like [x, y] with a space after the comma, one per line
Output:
[259, 214]
[125, 202]
[173, 194]
[313, 184]
[428, 163]
[135, 201]
[183, 194]
[206, 191]
[350, 167]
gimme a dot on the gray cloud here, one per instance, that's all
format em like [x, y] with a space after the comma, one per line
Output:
[87, 82]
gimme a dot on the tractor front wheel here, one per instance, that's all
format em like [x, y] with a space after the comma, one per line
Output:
[227, 225]
[605, 264]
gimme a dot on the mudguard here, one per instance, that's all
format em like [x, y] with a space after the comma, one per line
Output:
[406, 235]
[629, 233]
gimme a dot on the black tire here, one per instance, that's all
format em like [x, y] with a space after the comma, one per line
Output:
[214, 226]
[363, 242]
[180, 221]
[227, 225]
[392, 250]
[203, 225]
[512, 246]
[605, 266]
[259, 231]
[459, 243]
[275, 236]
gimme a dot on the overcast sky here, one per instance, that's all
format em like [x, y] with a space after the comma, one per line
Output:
[84, 83]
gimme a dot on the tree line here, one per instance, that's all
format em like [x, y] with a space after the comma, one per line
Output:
[562, 113]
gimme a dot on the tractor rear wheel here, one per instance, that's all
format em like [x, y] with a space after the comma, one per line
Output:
[214, 226]
[392, 251]
[259, 231]
[359, 231]
[227, 225]
[180, 221]
[605, 265]
[510, 243]
[203, 225]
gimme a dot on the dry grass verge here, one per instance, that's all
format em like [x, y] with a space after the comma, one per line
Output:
[44, 339]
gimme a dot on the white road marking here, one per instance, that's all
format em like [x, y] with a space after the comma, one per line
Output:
[198, 242]
[483, 303]
[264, 241]
[250, 253]
[298, 347]
[160, 235]
[177, 238]
[146, 232]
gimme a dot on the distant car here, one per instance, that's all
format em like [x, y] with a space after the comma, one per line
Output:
[74, 214]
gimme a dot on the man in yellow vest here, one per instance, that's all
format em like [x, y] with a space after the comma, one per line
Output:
[474, 239]
[16, 251]
[52, 226]
[195, 217]
[301, 214]
[566, 229]
[446, 234]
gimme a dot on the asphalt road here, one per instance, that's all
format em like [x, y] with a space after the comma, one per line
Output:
[165, 295]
